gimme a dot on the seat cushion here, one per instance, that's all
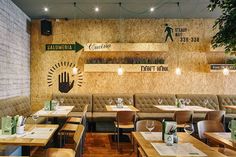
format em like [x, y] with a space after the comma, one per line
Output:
[225, 100]
[104, 116]
[199, 100]
[68, 127]
[155, 116]
[101, 100]
[76, 100]
[145, 101]
[60, 152]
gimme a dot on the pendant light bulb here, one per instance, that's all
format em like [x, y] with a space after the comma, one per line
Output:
[226, 71]
[178, 71]
[74, 71]
[120, 71]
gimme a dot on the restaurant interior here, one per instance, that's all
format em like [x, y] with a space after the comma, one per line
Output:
[118, 78]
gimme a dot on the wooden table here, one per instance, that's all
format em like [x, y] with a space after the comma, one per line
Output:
[62, 111]
[169, 108]
[27, 141]
[150, 151]
[113, 108]
[230, 107]
[223, 138]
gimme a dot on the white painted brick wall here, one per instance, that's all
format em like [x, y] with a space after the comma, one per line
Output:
[14, 51]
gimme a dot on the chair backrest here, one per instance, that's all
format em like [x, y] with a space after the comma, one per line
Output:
[141, 126]
[182, 117]
[208, 126]
[218, 116]
[125, 117]
[77, 139]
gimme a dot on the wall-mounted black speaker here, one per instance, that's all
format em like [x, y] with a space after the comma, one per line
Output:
[46, 27]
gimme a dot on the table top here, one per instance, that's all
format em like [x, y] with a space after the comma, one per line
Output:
[114, 108]
[223, 138]
[230, 107]
[150, 151]
[62, 111]
[38, 136]
[186, 108]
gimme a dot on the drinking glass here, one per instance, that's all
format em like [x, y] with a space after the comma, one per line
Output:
[150, 125]
[35, 117]
[230, 126]
[188, 101]
[130, 101]
[189, 128]
[61, 101]
[159, 101]
[205, 102]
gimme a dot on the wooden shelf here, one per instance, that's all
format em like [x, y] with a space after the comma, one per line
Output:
[126, 67]
[220, 67]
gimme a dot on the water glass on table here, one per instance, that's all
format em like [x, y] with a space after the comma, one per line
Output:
[150, 125]
[35, 118]
[189, 128]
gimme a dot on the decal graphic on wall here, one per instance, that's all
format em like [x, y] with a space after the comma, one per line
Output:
[61, 72]
[169, 32]
[64, 82]
[64, 47]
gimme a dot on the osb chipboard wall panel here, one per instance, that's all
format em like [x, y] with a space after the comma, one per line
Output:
[190, 56]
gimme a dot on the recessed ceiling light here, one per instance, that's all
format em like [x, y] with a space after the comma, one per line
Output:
[152, 9]
[96, 9]
[45, 9]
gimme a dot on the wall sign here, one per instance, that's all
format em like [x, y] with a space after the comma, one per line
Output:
[126, 47]
[179, 32]
[136, 68]
[220, 67]
[64, 47]
[64, 79]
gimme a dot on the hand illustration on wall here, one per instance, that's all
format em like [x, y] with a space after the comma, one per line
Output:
[64, 81]
[64, 84]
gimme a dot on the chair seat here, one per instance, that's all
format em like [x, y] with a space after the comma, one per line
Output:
[60, 152]
[124, 126]
[77, 120]
[69, 127]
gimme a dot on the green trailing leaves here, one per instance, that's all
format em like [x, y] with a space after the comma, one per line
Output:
[226, 23]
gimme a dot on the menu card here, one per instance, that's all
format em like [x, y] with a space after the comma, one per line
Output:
[233, 129]
[153, 136]
[39, 133]
[183, 149]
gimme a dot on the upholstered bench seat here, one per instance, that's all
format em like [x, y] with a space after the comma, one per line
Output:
[104, 116]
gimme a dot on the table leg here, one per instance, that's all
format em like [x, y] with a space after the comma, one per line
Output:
[25, 150]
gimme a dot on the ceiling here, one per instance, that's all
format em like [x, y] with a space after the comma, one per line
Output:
[110, 9]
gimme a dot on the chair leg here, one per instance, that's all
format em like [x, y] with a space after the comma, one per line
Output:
[118, 139]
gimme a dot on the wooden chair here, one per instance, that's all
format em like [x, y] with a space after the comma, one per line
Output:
[141, 126]
[78, 119]
[124, 120]
[218, 116]
[183, 117]
[71, 128]
[213, 126]
[66, 152]
[208, 126]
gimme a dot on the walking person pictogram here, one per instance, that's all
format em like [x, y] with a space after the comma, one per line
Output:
[169, 32]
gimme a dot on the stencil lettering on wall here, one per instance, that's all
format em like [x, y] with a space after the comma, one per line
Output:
[60, 74]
